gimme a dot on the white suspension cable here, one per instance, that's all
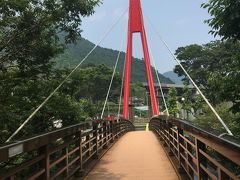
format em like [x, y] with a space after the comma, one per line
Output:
[195, 85]
[111, 82]
[60, 85]
[120, 97]
[159, 81]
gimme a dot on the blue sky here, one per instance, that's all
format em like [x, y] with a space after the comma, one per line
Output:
[180, 22]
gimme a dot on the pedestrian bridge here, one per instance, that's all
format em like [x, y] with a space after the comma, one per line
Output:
[137, 155]
[172, 149]
[101, 149]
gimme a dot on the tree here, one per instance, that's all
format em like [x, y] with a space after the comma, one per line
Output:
[225, 19]
[172, 102]
[198, 104]
[187, 100]
[30, 29]
[215, 67]
[75, 52]
[80, 98]
[24, 98]
[192, 57]
[208, 120]
[32, 32]
[92, 83]
[137, 90]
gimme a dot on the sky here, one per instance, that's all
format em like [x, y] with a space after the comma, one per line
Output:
[180, 22]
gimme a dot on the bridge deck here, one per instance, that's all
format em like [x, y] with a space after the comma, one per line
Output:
[136, 156]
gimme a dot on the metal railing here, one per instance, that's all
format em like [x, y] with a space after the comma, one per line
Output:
[198, 153]
[60, 154]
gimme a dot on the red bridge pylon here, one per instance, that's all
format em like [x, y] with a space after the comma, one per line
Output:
[136, 25]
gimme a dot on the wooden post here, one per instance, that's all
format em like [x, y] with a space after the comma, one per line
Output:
[65, 153]
[119, 128]
[67, 161]
[100, 134]
[190, 159]
[45, 163]
[79, 143]
[201, 159]
[163, 128]
[169, 126]
[88, 145]
[221, 174]
[116, 127]
[112, 131]
[95, 134]
[105, 134]
[180, 150]
[157, 126]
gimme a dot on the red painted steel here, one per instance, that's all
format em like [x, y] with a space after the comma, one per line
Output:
[136, 25]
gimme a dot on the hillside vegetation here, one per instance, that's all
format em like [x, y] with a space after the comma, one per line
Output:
[76, 52]
[174, 77]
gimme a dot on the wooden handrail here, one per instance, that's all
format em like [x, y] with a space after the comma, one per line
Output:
[61, 153]
[195, 156]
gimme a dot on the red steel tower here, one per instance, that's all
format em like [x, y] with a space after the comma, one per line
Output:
[136, 25]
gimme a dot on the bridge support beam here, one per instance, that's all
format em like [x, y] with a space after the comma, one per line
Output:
[136, 25]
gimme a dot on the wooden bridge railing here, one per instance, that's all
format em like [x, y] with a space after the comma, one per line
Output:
[198, 153]
[60, 154]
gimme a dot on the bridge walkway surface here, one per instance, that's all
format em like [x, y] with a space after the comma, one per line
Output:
[136, 156]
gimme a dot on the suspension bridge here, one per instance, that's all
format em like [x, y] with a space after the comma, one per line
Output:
[169, 148]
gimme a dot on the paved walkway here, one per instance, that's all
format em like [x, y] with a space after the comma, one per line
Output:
[136, 156]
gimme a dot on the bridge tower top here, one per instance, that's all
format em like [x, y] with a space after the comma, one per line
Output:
[136, 25]
[135, 16]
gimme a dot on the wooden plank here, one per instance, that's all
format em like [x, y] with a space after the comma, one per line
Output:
[40, 144]
[127, 163]
[58, 161]
[62, 146]
[218, 165]
[58, 173]
[22, 166]
[208, 172]
[73, 151]
[40, 140]
[230, 153]
[223, 146]
[37, 174]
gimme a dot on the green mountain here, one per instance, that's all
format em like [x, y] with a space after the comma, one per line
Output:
[76, 52]
[174, 77]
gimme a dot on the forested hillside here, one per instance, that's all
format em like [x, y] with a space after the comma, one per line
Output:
[76, 52]
[174, 77]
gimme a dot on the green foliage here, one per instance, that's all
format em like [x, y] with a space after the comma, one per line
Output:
[137, 90]
[172, 102]
[208, 120]
[29, 39]
[80, 98]
[225, 19]
[198, 103]
[18, 100]
[76, 52]
[192, 57]
[29, 32]
[215, 66]
[187, 100]
[92, 83]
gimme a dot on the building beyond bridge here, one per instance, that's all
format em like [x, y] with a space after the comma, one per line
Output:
[166, 88]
